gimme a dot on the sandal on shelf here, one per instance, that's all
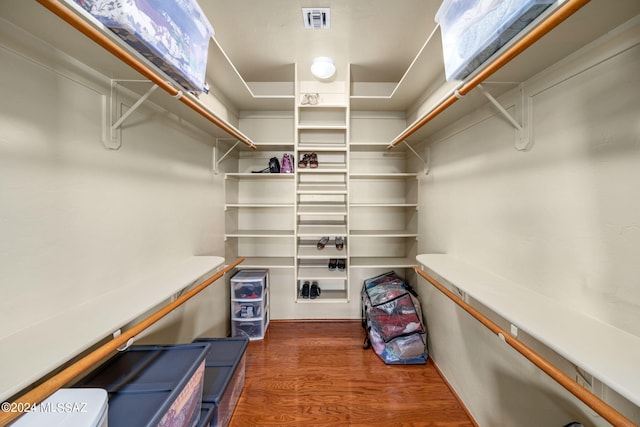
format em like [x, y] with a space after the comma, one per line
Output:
[333, 263]
[342, 264]
[305, 290]
[339, 243]
[304, 161]
[322, 242]
[315, 290]
[313, 160]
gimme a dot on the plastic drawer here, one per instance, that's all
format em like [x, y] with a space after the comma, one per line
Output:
[247, 309]
[249, 284]
[254, 329]
[153, 385]
[473, 30]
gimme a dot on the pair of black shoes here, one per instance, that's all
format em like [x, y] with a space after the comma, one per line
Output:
[310, 290]
[340, 264]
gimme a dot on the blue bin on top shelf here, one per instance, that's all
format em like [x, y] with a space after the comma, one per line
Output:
[151, 386]
[224, 376]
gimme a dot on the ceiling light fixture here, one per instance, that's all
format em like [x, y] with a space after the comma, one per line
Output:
[323, 67]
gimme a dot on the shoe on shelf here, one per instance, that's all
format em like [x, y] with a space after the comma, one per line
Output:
[341, 264]
[305, 290]
[315, 290]
[322, 242]
[333, 263]
[339, 243]
[304, 161]
[313, 160]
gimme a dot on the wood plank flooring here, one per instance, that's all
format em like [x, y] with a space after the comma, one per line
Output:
[317, 374]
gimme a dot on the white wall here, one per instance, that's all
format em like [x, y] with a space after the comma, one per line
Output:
[77, 220]
[562, 219]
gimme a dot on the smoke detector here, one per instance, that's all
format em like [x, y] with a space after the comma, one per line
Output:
[316, 18]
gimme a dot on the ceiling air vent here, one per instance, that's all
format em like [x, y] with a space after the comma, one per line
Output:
[316, 18]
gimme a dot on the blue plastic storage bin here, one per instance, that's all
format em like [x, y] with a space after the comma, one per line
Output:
[153, 386]
[224, 376]
[207, 415]
[473, 30]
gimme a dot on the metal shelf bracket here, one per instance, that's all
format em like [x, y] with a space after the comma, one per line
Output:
[523, 138]
[111, 132]
[425, 161]
[216, 161]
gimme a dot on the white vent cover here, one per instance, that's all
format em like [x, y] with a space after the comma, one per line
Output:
[316, 18]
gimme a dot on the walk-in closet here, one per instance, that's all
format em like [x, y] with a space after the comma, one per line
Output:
[219, 184]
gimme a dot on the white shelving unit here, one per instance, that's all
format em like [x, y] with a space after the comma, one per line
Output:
[383, 198]
[260, 207]
[322, 192]
[359, 191]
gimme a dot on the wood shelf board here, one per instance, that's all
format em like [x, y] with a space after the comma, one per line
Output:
[562, 329]
[259, 233]
[259, 205]
[131, 300]
[261, 176]
[322, 210]
[329, 251]
[321, 273]
[321, 230]
[381, 262]
[382, 233]
[268, 262]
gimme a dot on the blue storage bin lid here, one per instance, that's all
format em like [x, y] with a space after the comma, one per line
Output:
[146, 368]
[207, 415]
[216, 380]
[144, 381]
[224, 351]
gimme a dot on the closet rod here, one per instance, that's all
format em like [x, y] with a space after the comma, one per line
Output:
[558, 16]
[97, 36]
[50, 386]
[591, 400]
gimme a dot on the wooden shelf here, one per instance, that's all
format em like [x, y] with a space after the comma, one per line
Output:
[327, 296]
[109, 312]
[258, 205]
[321, 230]
[259, 233]
[321, 273]
[384, 205]
[381, 262]
[604, 351]
[383, 233]
[322, 188]
[383, 175]
[261, 176]
[337, 209]
[268, 262]
[329, 251]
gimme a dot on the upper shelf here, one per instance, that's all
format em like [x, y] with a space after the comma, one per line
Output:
[115, 60]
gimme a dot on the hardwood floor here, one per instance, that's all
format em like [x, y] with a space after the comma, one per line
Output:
[317, 374]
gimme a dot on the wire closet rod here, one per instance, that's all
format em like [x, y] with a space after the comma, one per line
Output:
[558, 16]
[97, 36]
[50, 386]
[591, 400]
